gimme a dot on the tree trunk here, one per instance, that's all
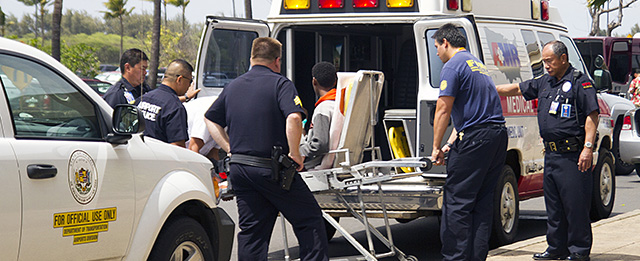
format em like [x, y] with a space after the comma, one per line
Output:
[56, 30]
[247, 9]
[35, 27]
[42, 21]
[183, 18]
[121, 35]
[164, 2]
[155, 45]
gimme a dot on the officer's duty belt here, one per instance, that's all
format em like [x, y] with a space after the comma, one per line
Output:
[479, 126]
[572, 144]
[250, 160]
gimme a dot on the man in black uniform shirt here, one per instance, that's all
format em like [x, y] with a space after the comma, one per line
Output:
[568, 119]
[133, 66]
[165, 116]
[261, 109]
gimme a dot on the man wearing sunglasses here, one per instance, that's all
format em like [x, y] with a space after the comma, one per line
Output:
[165, 116]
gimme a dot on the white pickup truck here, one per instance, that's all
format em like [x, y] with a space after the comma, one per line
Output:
[79, 185]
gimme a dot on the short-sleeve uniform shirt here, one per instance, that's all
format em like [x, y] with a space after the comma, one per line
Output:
[122, 92]
[572, 101]
[254, 108]
[165, 116]
[476, 98]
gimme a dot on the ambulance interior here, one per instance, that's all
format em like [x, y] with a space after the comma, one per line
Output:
[389, 48]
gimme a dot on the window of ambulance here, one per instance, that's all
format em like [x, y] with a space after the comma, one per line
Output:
[435, 64]
[228, 56]
[534, 52]
[45, 105]
[574, 55]
[545, 38]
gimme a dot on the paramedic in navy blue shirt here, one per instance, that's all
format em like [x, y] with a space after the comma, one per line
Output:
[261, 109]
[568, 118]
[477, 150]
[165, 116]
[133, 66]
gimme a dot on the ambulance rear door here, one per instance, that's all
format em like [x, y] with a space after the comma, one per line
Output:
[429, 67]
[225, 51]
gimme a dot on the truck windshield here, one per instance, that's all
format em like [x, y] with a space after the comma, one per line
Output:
[228, 55]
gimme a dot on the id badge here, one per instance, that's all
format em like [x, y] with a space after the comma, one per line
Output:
[566, 111]
[553, 109]
[129, 97]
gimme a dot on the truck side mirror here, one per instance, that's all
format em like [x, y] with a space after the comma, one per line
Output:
[127, 120]
[602, 79]
[598, 61]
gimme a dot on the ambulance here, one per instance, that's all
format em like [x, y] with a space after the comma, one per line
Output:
[394, 36]
[80, 182]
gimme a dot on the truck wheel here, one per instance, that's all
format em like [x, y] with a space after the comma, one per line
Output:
[604, 187]
[329, 229]
[505, 209]
[622, 168]
[182, 239]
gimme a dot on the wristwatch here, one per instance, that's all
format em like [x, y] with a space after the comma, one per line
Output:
[186, 98]
[588, 145]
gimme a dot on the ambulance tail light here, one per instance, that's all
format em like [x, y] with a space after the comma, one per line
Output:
[365, 3]
[544, 7]
[399, 3]
[296, 4]
[535, 9]
[452, 4]
[325, 4]
[626, 123]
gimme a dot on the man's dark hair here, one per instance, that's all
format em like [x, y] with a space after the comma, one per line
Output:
[636, 70]
[452, 34]
[325, 74]
[558, 48]
[132, 56]
[183, 64]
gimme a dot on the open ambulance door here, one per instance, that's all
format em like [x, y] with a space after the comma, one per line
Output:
[225, 51]
[429, 67]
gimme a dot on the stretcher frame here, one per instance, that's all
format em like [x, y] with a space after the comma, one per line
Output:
[356, 138]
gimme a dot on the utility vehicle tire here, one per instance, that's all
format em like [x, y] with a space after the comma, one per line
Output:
[182, 239]
[505, 209]
[604, 187]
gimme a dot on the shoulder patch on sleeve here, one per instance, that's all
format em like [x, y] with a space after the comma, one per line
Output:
[587, 85]
[443, 85]
[297, 101]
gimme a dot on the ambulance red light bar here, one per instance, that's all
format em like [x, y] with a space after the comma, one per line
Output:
[323, 4]
[452, 4]
[365, 3]
[544, 6]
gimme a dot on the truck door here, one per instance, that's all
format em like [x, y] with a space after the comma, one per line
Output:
[429, 67]
[77, 189]
[11, 203]
[225, 51]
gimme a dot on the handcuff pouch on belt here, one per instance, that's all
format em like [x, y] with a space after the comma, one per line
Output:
[572, 144]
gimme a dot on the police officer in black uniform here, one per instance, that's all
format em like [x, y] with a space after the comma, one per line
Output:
[476, 155]
[261, 109]
[568, 119]
[165, 116]
[133, 66]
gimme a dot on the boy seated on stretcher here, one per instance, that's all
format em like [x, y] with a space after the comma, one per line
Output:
[316, 144]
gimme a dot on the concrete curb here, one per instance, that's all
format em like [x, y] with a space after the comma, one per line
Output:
[504, 250]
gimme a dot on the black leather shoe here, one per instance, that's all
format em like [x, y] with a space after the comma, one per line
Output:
[549, 256]
[578, 256]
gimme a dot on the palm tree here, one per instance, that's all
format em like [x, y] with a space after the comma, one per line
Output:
[33, 3]
[164, 3]
[155, 44]
[55, 29]
[42, 4]
[183, 4]
[117, 10]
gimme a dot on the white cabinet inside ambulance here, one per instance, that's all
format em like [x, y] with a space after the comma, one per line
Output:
[75, 188]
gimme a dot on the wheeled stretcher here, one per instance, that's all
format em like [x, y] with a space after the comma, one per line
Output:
[352, 129]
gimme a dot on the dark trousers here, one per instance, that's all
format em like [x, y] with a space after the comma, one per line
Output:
[567, 196]
[473, 168]
[259, 200]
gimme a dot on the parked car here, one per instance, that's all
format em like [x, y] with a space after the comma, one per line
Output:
[110, 77]
[108, 68]
[630, 139]
[99, 86]
[79, 182]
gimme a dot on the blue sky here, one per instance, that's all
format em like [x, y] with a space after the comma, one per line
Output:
[574, 12]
